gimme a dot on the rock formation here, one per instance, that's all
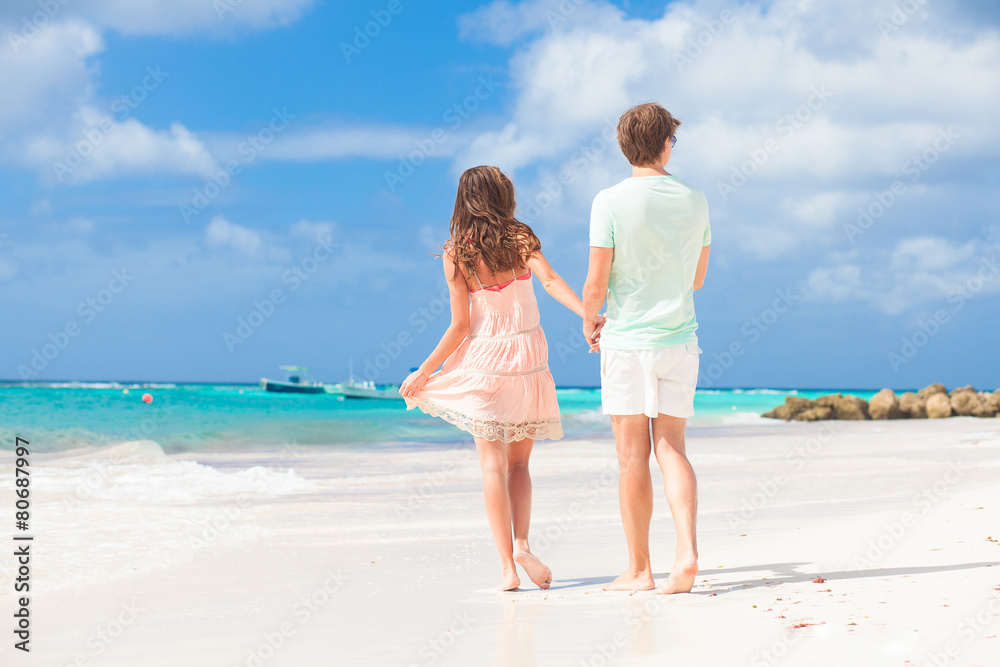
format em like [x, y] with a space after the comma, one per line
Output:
[933, 401]
[992, 400]
[938, 406]
[936, 388]
[814, 414]
[966, 402]
[912, 406]
[885, 405]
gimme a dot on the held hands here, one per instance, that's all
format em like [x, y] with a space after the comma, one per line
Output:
[592, 332]
[414, 383]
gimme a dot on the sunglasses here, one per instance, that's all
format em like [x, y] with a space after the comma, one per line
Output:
[673, 141]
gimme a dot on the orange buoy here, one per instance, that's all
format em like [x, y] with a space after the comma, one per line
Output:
[147, 398]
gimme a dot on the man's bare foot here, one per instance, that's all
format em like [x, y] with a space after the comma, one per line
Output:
[632, 581]
[681, 577]
[536, 569]
[510, 580]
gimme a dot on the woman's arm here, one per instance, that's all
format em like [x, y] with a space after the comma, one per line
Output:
[699, 275]
[564, 294]
[453, 336]
[553, 283]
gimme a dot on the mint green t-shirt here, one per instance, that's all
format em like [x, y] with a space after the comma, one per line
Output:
[657, 226]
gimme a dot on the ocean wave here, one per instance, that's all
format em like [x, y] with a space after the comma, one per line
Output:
[167, 511]
[74, 384]
[741, 418]
[587, 416]
[141, 472]
[45, 440]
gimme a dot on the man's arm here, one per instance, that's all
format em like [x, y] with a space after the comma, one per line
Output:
[595, 291]
[699, 275]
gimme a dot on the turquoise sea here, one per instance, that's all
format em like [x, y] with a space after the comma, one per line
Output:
[57, 416]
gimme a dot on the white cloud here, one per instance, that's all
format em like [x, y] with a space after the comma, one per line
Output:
[502, 23]
[831, 110]
[159, 17]
[104, 148]
[916, 272]
[836, 284]
[263, 247]
[365, 141]
[886, 102]
[80, 225]
[312, 230]
[45, 76]
[928, 253]
[7, 270]
[220, 233]
[52, 121]
[51, 118]
[815, 211]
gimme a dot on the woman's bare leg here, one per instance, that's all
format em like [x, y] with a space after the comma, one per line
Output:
[519, 490]
[493, 461]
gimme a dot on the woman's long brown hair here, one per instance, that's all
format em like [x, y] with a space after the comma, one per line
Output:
[483, 225]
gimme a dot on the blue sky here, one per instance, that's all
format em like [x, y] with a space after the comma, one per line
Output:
[167, 170]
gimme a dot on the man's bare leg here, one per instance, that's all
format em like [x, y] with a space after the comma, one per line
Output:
[681, 488]
[519, 490]
[635, 496]
[493, 461]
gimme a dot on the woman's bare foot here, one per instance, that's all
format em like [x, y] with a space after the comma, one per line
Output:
[510, 580]
[681, 577]
[536, 569]
[632, 581]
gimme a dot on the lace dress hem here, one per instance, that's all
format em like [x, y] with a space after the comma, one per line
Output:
[507, 432]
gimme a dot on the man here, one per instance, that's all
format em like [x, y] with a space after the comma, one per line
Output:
[649, 238]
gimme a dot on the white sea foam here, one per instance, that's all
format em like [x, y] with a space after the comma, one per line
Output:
[741, 418]
[405, 480]
[589, 416]
[166, 510]
[74, 384]
[140, 472]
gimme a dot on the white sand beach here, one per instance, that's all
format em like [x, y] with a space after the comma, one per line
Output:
[384, 557]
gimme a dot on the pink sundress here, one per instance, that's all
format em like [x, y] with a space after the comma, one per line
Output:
[497, 384]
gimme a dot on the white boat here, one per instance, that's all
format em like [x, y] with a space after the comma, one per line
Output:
[369, 390]
[351, 388]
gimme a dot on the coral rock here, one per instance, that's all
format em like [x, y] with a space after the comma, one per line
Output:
[885, 405]
[814, 414]
[938, 406]
[912, 406]
[930, 390]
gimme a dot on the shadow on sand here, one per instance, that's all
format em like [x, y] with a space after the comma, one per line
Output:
[776, 573]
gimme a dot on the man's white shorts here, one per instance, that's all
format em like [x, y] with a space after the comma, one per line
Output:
[650, 382]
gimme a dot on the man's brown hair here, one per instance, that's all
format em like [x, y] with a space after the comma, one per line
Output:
[642, 132]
